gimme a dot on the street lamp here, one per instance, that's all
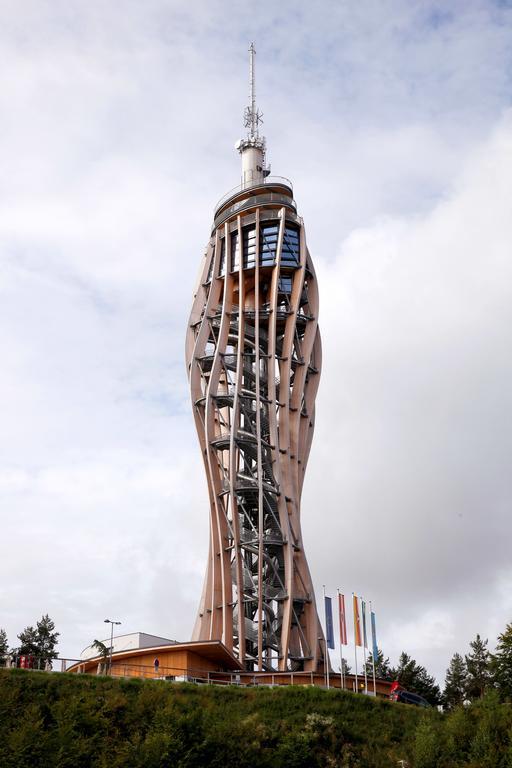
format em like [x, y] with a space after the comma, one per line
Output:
[109, 621]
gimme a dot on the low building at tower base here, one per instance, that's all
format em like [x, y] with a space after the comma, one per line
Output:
[204, 662]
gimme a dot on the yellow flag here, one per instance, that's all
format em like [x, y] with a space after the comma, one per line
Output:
[357, 623]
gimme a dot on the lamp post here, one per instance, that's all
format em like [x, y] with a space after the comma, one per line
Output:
[109, 621]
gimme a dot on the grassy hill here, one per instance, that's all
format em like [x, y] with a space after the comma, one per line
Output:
[73, 721]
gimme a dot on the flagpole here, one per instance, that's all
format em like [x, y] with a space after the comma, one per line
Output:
[363, 611]
[341, 644]
[355, 643]
[372, 621]
[326, 658]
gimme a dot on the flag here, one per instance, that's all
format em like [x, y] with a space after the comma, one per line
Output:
[357, 627]
[363, 612]
[329, 630]
[374, 638]
[343, 619]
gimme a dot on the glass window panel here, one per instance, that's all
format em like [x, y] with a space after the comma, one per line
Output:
[291, 247]
[222, 265]
[235, 252]
[269, 234]
[285, 285]
[249, 242]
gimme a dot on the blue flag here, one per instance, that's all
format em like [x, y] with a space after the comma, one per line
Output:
[329, 629]
[374, 639]
[363, 612]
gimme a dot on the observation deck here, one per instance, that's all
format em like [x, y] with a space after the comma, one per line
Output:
[271, 189]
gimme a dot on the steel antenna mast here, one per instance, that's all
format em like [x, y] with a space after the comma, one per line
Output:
[252, 92]
[252, 114]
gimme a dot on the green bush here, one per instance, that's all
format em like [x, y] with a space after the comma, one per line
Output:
[82, 721]
[426, 745]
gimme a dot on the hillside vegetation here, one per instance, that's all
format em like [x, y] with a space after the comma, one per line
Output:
[73, 721]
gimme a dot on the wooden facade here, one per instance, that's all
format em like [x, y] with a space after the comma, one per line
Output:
[254, 356]
[212, 663]
[180, 660]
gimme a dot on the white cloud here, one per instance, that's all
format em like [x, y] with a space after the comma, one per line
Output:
[431, 630]
[412, 440]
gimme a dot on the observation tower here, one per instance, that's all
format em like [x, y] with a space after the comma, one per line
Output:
[254, 355]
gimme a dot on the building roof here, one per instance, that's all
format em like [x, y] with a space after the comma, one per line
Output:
[130, 641]
[213, 650]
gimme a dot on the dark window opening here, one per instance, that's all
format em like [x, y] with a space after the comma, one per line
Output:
[269, 235]
[285, 285]
[291, 247]
[268, 244]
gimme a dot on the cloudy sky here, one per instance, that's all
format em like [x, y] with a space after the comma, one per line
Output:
[118, 124]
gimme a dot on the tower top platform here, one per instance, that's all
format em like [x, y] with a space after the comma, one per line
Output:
[251, 187]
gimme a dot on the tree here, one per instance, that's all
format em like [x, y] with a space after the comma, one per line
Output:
[478, 669]
[38, 642]
[383, 669]
[413, 677]
[28, 643]
[501, 664]
[490, 742]
[47, 639]
[104, 652]
[426, 745]
[4, 646]
[455, 682]
[346, 666]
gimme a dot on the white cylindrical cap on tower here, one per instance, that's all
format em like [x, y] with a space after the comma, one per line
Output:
[253, 161]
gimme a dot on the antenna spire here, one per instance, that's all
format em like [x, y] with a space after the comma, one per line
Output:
[252, 115]
[252, 148]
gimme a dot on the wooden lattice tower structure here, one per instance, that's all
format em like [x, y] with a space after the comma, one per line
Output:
[254, 356]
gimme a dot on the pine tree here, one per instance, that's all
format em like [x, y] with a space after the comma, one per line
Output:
[47, 639]
[413, 677]
[38, 641]
[455, 682]
[478, 671]
[501, 664]
[28, 643]
[382, 666]
[4, 646]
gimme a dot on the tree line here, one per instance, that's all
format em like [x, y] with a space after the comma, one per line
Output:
[39, 642]
[468, 677]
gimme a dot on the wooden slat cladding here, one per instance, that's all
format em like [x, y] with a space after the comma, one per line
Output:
[254, 356]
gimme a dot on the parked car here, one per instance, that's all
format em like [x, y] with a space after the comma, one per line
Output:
[397, 693]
